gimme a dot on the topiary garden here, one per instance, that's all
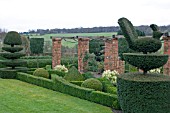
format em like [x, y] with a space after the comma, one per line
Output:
[143, 92]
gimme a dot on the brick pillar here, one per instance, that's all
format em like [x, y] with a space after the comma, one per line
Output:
[111, 60]
[166, 67]
[83, 47]
[56, 52]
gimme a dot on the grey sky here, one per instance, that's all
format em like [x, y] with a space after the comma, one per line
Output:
[22, 15]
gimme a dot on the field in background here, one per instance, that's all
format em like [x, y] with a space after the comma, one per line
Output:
[21, 97]
[70, 42]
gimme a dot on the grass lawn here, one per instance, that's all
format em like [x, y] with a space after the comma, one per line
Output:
[21, 97]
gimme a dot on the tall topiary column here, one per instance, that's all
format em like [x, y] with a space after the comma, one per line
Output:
[143, 92]
[12, 54]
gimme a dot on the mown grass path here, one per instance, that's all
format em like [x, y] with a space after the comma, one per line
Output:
[21, 97]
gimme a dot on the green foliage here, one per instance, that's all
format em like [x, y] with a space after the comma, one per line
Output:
[13, 63]
[128, 31]
[147, 45]
[12, 55]
[59, 73]
[77, 82]
[139, 44]
[48, 67]
[96, 47]
[69, 62]
[61, 85]
[140, 93]
[65, 87]
[40, 81]
[32, 63]
[146, 62]
[7, 73]
[105, 99]
[12, 50]
[88, 75]
[41, 72]
[12, 38]
[93, 84]
[36, 57]
[90, 61]
[73, 75]
[36, 45]
[123, 47]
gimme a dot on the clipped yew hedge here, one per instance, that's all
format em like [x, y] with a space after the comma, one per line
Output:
[140, 93]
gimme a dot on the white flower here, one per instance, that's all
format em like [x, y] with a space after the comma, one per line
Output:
[61, 68]
[110, 75]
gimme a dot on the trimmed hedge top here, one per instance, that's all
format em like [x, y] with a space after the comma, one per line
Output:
[140, 77]
[13, 38]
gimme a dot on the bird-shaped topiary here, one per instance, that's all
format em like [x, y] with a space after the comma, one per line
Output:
[145, 45]
[143, 92]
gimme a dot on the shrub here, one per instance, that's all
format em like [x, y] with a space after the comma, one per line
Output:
[110, 75]
[93, 84]
[36, 45]
[61, 68]
[73, 75]
[41, 72]
[88, 75]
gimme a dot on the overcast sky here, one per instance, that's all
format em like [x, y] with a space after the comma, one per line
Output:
[22, 15]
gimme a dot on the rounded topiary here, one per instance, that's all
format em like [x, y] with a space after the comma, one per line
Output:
[12, 38]
[93, 84]
[140, 93]
[41, 72]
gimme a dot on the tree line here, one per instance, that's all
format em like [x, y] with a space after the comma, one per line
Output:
[143, 28]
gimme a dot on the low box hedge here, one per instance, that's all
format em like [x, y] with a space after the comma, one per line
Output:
[65, 87]
[43, 82]
[106, 99]
[61, 85]
[8, 74]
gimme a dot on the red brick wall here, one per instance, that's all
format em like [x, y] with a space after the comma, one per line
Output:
[83, 47]
[56, 52]
[167, 51]
[111, 60]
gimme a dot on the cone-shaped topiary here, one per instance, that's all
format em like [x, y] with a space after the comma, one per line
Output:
[93, 84]
[12, 38]
[41, 72]
[73, 75]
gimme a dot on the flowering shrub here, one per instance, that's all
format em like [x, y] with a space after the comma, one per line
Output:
[110, 75]
[61, 68]
[157, 70]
